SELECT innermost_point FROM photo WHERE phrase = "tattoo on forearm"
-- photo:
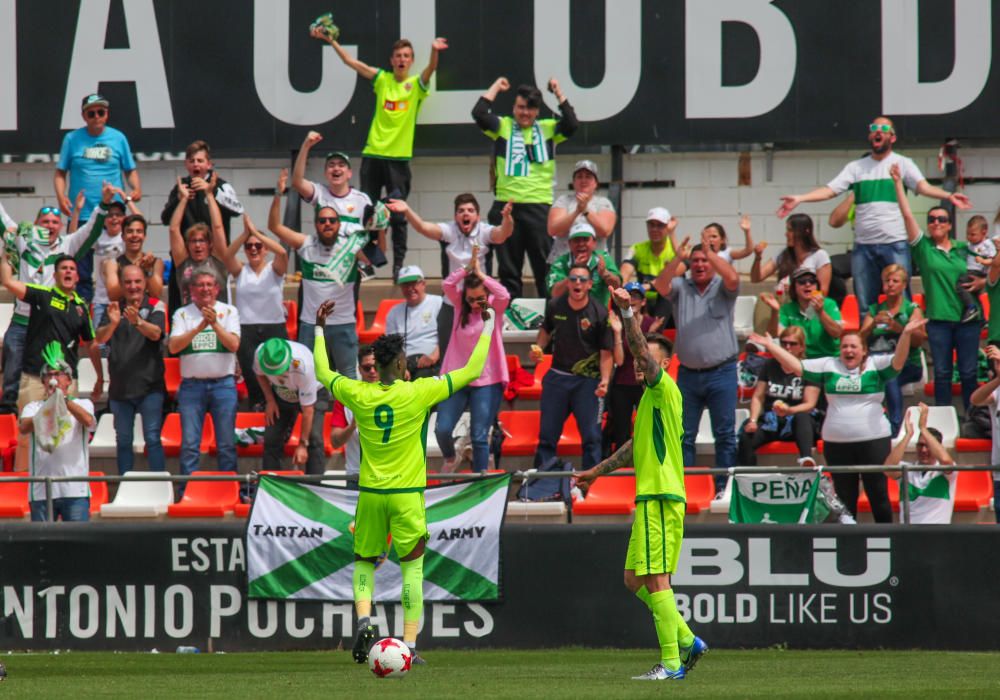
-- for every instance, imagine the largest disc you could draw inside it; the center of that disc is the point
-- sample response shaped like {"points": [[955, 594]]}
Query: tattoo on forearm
{"points": [[621, 458], [637, 345]]}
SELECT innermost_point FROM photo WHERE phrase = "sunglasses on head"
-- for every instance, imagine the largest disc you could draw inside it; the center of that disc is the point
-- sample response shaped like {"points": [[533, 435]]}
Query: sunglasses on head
{"points": [[49, 210], [938, 219], [578, 278], [327, 219], [91, 113], [253, 246], [884, 128]]}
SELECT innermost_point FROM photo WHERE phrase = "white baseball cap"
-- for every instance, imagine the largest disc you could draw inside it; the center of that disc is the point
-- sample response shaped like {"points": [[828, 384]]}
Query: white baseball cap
{"points": [[409, 273], [582, 230], [661, 214]]}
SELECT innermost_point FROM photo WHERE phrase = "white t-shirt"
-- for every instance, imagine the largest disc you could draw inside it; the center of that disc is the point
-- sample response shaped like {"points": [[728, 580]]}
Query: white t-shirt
{"points": [[205, 357], [320, 262], [349, 207], [458, 246], [71, 458], [417, 324], [298, 384], [854, 396], [105, 247], [931, 494], [560, 244], [816, 259], [877, 218], [259, 297], [984, 249]]}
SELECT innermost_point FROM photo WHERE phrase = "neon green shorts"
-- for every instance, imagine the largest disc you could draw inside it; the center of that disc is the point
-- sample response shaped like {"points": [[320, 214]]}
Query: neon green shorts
{"points": [[655, 543], [378, 514]]}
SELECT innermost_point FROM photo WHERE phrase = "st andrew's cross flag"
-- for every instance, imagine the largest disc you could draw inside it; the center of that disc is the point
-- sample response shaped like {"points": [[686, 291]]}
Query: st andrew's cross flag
{"points": [[300, 542], [773, 498]]}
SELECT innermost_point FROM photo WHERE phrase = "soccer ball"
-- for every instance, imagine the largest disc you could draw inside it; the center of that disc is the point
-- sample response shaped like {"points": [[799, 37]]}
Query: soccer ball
{"points": [[389, 658]]}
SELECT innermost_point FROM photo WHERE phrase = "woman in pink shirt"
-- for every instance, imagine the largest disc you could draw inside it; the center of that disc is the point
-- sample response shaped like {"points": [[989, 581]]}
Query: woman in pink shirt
{"points": [[472, 291]]}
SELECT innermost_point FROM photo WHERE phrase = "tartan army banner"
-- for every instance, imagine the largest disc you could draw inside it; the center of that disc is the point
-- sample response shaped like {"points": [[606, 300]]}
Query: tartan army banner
{"points": [[773, 498], [300, 542]]}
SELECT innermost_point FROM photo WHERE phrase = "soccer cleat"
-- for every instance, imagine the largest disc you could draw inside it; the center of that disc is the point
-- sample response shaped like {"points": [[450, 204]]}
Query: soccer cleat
{"points": [[691, 654], [418, 660], [659, 672], [363, 643]]}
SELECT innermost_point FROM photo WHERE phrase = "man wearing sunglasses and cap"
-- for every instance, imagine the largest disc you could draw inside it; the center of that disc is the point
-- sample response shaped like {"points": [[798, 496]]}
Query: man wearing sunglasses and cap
{"points": [[90, 156], [582, 251], [287, 376], [879, 232], [581, 206]]}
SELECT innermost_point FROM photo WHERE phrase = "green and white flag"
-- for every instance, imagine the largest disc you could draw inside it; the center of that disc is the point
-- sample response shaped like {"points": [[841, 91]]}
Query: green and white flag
{"points": [[773, 498], [300, 542]]}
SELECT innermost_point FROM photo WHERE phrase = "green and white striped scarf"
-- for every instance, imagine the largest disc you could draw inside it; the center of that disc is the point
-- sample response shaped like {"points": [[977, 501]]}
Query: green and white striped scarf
{"points": [[521, 155]]}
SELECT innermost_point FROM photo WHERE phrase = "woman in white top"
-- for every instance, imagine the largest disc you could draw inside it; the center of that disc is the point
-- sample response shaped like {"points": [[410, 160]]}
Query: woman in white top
{"points": [[856, 430], [259, 296], [800, 249]]}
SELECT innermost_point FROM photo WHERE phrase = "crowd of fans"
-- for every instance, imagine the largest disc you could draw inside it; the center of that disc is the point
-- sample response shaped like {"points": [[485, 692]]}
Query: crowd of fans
{"points": [[818, 380]]}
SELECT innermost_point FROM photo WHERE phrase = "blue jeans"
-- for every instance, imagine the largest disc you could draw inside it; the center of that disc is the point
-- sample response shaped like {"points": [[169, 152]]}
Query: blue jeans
{"points": [[13, 360], [867, 263], [483, 403], [71, 510], [217, 397], [562, 394], [341, 345], [150, 409], [715, 390], [963, 338], [894, 394]]}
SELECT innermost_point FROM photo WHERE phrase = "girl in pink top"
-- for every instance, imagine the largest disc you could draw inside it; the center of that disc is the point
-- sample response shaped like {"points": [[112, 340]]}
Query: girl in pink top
{"points": [[472, 291]]}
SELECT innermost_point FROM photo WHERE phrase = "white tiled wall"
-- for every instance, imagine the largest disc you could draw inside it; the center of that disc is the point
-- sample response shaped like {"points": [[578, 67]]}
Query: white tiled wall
{"points": [[705, 190]]}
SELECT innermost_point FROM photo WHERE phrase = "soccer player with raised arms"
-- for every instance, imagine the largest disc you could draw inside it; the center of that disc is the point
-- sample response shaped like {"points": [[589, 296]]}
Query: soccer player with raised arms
{"points": [[658, 528], [392, 417]]}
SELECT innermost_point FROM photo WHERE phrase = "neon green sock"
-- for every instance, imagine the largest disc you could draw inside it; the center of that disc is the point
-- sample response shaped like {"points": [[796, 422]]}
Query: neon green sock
{"points": [[685, 637], [364, 587], [665, 618], [413, 596], [643, 595]]}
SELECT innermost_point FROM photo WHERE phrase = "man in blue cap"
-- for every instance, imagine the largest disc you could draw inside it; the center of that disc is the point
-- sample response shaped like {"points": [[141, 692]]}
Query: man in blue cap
{"points": [[287, 376]]}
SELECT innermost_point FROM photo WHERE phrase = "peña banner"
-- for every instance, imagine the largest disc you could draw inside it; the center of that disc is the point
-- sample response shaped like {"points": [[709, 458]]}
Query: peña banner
{"points": [[246, 76]]}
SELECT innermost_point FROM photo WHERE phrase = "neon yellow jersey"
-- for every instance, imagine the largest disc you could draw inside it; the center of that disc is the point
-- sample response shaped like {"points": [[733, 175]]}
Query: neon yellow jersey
{"points": [[656, 442], [392, 419], [396, 107]]}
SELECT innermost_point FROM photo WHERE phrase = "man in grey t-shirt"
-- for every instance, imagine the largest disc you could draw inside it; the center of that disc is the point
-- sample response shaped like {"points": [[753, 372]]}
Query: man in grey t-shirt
{"points": [[582, 206], [706, 346]]}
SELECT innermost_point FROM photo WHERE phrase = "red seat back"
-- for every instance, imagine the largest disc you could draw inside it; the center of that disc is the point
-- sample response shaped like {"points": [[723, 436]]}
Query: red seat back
{"points": [[13, 496], [609, 495], [700, 490], [98, 494], [291, 318], [206, 499], [973, 490]]}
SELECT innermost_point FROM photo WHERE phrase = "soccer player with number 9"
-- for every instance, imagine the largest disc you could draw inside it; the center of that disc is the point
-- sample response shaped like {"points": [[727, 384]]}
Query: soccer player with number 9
{"points": [[392, 417]]}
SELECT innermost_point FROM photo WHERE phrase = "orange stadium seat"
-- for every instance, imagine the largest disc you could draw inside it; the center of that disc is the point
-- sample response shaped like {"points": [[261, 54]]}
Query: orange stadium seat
{"points": [[609, 495], [13, 496], [98, 494], [370, 335], [700, 490], [8, 440], [984, 301], [849, 312], [206, 499], [172, 375], [170, 436], [521, 430], [359, 319], [864, 506], [535, 390], [973, 444], [244, 421], [973, 490], [292, 319]]}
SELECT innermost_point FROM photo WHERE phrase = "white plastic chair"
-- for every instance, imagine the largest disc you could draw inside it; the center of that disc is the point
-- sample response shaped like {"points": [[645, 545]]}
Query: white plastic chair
{"points": [[943, 418], [743, 316], [145, 498], [105, 439], [87, 378], [511, 334], [704, 443]]}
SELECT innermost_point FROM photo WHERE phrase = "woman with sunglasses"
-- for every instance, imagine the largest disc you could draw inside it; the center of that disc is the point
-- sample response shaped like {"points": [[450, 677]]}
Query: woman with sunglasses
{"points": [[855, 431], [260, 286], [472, 292], [942, 261], [809, 309], [781, 407], [881, 329]]}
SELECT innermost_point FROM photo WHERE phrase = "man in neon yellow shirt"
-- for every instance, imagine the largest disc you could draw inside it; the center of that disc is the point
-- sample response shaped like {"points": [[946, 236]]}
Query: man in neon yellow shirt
{"points": [[391, 418], [389, 148], [658, 528]]}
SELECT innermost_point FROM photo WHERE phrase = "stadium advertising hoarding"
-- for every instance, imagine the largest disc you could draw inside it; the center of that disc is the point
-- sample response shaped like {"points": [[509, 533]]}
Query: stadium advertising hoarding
{"points": [[244, 74], [163, 585]]}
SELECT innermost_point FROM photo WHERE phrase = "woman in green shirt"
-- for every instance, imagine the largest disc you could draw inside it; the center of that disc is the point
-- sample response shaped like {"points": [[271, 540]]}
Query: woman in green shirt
{"points": [[808, 308]]}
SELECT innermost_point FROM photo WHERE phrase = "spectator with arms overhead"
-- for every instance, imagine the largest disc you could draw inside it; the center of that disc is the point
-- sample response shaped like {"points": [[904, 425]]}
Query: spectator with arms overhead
{"points": [[62, 449], [472, 293], [879, 231], [645, 260], [704, 306], [134, 328], [416, 320], [931, 493], [260, 289], [286, 375], [329, 270], [200, 245], [881, 329], [715, 234], [577, 325], [817, 315], [524, 169], [855, 430], [781, 406], [389, 148], [581, 206], [206, 334], [603, 271], [91, 156]]}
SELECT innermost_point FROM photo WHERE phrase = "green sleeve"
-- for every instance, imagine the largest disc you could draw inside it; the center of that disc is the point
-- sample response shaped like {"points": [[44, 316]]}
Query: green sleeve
{"points": [[609, 263], [557, 271], [783, 315], [91, 238], [832, 310], [324, 374], [462, 377], [817, 374]]}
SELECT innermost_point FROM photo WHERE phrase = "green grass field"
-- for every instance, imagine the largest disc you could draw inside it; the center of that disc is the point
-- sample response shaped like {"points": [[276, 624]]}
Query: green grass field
{"points": [[473, 675]]}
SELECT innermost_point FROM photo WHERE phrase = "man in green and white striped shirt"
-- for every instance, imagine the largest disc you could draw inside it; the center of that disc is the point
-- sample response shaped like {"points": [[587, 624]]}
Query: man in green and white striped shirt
{"points": [[931, 493]]}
